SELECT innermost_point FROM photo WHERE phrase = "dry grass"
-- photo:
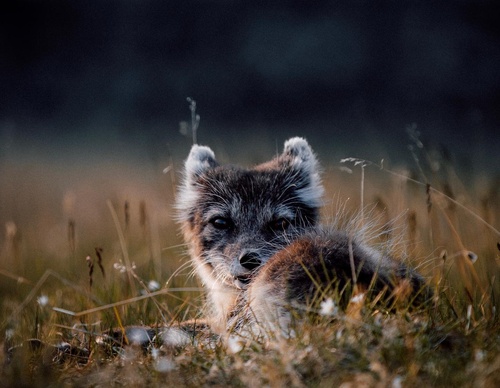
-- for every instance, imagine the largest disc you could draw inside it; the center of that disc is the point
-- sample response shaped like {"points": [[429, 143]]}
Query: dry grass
{"points": [[77, 263]]}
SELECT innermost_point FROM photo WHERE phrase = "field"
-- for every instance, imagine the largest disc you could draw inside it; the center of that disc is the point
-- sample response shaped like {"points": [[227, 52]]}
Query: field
{"points": [[86, 251]]}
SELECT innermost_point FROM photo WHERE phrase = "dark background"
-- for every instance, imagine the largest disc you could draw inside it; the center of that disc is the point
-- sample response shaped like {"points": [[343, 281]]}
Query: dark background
{"points": [[80, 77]]}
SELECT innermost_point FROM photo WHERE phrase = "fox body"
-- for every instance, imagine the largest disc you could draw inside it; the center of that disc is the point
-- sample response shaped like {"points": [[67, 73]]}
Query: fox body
{"points": [[255, 242]]}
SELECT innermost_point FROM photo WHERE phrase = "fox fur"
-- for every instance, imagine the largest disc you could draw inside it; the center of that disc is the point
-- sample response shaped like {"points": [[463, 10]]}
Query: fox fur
{"points": [[256, 243]]}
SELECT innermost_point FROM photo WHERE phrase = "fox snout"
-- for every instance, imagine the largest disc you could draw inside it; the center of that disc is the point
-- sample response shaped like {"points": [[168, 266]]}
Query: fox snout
{"points": [[247, 264], [250, 260]]}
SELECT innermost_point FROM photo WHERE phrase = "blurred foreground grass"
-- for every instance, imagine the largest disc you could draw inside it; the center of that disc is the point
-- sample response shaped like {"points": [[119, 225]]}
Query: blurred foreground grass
{"points": [[97, 249]]}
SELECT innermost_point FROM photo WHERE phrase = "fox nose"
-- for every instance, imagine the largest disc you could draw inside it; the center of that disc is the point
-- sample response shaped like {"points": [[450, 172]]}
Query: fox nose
{"points": [[250, 260]]}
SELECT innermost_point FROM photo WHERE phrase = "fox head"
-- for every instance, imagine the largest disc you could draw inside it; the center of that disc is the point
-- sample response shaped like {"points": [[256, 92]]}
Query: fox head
{"points": [[234, 219]]}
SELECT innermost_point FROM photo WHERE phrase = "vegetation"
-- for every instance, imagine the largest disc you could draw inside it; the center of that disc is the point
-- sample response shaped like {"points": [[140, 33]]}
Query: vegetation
{"points": [[88, 268]]}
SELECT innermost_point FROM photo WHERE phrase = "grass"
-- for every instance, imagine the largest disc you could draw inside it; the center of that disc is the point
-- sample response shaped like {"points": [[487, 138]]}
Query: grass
{"points": [[91, 263]]}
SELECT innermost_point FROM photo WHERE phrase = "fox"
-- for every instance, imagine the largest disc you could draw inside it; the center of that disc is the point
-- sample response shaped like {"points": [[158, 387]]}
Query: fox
{"points": [[257, 246], [256, 243]]}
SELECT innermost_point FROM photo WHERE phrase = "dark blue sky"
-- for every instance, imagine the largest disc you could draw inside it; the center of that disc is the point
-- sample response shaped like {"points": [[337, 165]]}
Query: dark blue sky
{"points": [[325, 69]]}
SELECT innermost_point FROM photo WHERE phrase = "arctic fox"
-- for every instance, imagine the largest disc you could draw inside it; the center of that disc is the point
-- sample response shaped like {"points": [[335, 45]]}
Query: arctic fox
{"points": [[256, 245]]}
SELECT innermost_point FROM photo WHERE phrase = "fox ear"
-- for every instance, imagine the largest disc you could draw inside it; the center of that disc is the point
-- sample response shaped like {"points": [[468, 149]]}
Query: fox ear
{"points": [[297, 154], [200, 159]]}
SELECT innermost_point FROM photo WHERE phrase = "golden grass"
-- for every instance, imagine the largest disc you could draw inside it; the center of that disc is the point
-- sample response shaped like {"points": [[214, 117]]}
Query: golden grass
{"points": [[79, 260]]}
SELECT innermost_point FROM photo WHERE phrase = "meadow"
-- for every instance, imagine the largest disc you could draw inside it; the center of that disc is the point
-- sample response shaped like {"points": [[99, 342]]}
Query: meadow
{"points": [[86, 252]]}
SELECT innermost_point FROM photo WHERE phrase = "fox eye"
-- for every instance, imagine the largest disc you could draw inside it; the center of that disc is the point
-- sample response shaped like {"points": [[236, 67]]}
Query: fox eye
{"points": [[221, 223], [279, 224]]}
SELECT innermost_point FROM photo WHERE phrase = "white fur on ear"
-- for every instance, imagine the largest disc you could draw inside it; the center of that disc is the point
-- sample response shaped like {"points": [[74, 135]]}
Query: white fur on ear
{"points": [[301, 153], [301, 157], [200, 159]]}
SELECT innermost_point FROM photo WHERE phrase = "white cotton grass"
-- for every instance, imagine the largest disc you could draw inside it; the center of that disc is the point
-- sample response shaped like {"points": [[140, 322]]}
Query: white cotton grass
{"points": [[234, 344], [138, 336], [175, 337], [122, 268], [164, 365], [397, 382], [328, 308], [9, 334], [42, 300], [153, 285], [359, 298]]}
